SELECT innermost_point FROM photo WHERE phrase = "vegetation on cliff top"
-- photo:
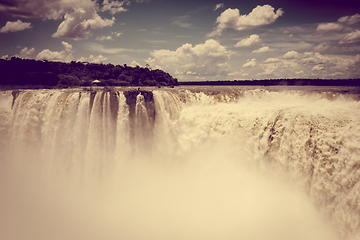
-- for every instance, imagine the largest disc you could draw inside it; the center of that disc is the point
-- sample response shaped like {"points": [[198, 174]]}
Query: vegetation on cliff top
{"points": [[31, 73]]}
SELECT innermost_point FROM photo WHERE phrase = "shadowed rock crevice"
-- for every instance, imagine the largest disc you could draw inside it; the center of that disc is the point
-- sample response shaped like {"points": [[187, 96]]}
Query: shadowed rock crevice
{"points": [[137, 100]]}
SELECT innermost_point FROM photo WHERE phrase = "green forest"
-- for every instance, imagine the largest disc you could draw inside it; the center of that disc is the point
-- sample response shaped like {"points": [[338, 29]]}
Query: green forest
{"points": [[30, 73]]}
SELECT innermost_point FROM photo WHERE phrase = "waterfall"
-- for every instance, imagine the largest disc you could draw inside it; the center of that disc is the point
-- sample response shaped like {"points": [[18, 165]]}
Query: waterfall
{"points": [[183, 163]]}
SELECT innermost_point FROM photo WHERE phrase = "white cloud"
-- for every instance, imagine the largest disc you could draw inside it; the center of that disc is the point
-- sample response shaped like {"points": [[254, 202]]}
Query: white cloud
{"points": [[329, 27], [26, 53], [207, 59], [64, 55], [80, 17], [353, 37], [134, 64], [79, 23], [103, 38], [93, 59], [114, 6], [272, 60], [250, 63], [305, 65], [117, 34], [259, 16], [311, 58], [15, 26], [350, 20], [318, 68], [238, 74], [250, 41], [311, 65], [291, 55], [263, 50], [219, 5]]}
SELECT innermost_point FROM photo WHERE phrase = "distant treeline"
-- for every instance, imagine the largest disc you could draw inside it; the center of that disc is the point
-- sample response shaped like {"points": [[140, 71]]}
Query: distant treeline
{"points": [[30, 73], [276, 82]]}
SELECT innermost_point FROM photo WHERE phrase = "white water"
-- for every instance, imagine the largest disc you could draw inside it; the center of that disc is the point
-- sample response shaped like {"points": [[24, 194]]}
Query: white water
{"points": [[226, 164]]}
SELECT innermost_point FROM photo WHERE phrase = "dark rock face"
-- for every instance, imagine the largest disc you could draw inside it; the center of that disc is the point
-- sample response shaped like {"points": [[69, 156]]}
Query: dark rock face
{"points": [[15, 94], [131, 97]]}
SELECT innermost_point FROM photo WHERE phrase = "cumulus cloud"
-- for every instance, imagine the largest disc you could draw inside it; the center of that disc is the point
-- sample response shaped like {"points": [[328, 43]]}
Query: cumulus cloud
{"points": [[291, 55], [79, 23], [134, 64], [263, 50], [329, 27], [318, 68], [259, 16], [93, 59], [250, 63], [117, 34], [26, 53], [80, 17], [207, 59], [114, 6], [309, 65], [353, 37], [272, 60], [350, 20], [219, 5], [15, 26], [250, 41], [64, 55]]}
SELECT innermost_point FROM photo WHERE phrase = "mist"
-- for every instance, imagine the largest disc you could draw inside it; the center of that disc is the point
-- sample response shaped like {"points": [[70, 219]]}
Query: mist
{"points": [[208, 195]]}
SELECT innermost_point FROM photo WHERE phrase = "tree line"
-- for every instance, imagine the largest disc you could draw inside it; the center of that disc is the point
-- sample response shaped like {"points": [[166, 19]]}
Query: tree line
{"points": [[43, 73]]}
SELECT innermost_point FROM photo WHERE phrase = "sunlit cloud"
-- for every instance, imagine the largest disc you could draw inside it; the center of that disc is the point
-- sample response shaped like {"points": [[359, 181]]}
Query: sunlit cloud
{"points": [[218, 6], [93, 59], [353, 37], [114, 6], [250, 41], [64, 55], [291, 55], [250, 63], [259, 16], [263, 50], [79, 17], [350, 20], [15, 26], [208, 59], [329, 27], [26, 53]]}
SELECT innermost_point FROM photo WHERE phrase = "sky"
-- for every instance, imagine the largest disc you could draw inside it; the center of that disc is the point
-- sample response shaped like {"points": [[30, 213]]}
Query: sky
{"points": [[193, 40]]}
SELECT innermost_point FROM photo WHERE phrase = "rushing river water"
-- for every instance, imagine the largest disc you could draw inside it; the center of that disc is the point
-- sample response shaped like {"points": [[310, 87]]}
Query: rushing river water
{"points": [[190, 163]]}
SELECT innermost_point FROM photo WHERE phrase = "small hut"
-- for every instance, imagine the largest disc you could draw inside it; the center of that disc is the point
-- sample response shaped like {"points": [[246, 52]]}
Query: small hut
{"points": [[96, 82]]}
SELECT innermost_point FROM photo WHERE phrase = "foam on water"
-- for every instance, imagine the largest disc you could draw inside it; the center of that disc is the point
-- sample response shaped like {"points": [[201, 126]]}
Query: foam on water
{"points": [[179, 164]]}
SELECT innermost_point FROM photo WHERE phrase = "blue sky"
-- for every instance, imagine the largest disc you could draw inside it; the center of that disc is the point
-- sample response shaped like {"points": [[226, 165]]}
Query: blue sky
{"points": [[190, 39]]}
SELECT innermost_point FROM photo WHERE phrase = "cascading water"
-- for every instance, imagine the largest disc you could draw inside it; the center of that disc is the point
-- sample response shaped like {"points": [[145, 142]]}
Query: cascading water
{"points": [[196, 163]]}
